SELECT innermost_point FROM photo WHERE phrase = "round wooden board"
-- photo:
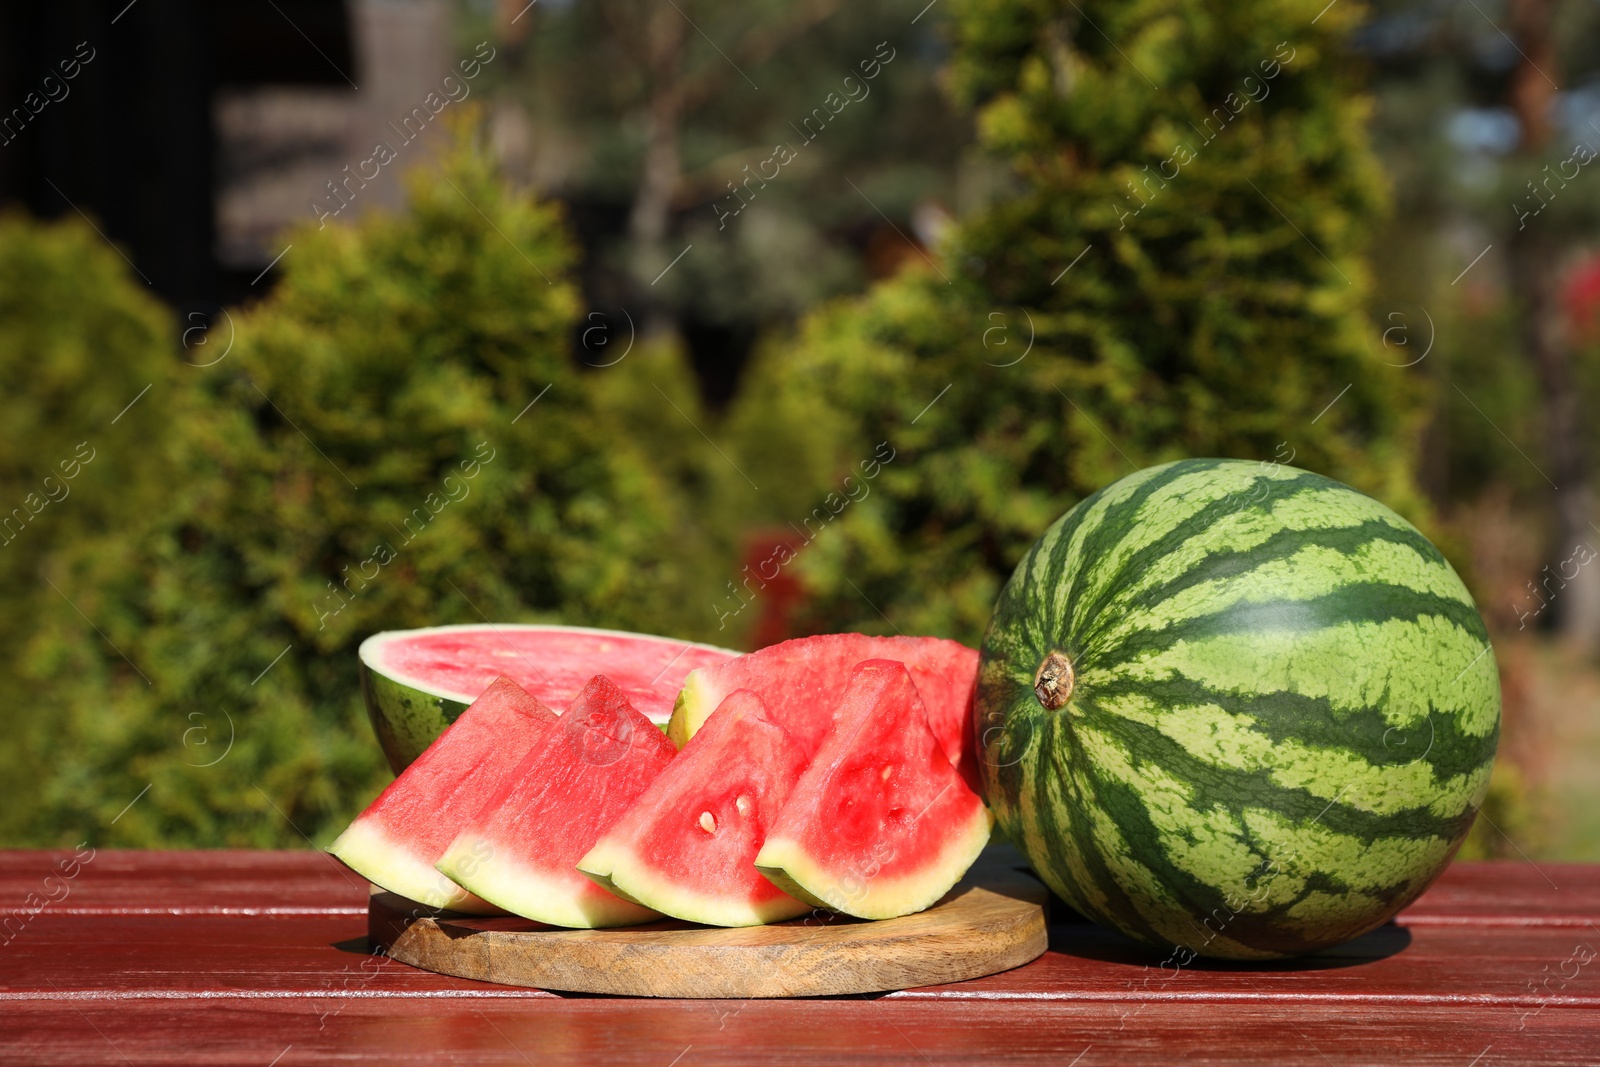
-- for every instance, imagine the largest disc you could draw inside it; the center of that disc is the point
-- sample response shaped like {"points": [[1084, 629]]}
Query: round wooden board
{"points": [[992, 921]]}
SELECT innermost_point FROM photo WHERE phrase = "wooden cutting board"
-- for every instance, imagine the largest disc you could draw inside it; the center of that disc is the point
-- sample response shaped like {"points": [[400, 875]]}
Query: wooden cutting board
{"points": [[992, 921]]}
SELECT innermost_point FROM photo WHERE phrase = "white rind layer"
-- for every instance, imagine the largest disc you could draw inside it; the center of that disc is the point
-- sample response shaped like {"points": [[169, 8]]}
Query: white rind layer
{"points": [[622, 868], [867, 896], [696, 701], [389, 864], [474, 863]]}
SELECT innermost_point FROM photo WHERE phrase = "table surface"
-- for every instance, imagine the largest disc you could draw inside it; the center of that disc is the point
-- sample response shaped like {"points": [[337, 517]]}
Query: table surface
{"points": [[261, 958]]}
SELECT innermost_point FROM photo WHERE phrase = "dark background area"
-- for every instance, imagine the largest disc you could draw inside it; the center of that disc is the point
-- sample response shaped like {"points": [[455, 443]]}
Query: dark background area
{"points": [[132, 144]]}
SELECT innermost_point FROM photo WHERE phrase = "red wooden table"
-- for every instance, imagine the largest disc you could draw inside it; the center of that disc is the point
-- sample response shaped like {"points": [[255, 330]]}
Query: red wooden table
{"points": [[260, 958]]}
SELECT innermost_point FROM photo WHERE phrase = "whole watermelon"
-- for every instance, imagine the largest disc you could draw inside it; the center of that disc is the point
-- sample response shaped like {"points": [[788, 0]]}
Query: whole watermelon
{"points": [[1236, 708]]}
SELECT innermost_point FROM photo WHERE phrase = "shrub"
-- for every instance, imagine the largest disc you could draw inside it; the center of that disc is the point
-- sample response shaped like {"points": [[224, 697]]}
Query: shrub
{"points": [[1099, 319], [399, 437], [85, 374]]}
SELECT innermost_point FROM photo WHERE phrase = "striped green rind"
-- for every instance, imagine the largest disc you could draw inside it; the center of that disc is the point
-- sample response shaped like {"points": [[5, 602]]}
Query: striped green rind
{"points": [[405, 718], [1284, 713]]}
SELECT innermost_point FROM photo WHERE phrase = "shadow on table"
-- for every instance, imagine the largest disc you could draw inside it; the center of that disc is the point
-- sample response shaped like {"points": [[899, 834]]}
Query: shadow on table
{"points": [[1073, 935]]}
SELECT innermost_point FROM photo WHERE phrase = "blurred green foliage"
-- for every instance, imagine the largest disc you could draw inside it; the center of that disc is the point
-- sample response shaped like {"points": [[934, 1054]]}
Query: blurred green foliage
{"points": [[1505, 817], [398, 437], [80, 340], [1180, 273]]}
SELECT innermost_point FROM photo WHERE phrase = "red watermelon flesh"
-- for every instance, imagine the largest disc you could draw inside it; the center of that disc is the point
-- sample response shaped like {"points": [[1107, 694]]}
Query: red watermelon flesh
{"points": [[520, 852], [398, 839], [880, 825], [551, 662], [688, 845], [803, 681]]}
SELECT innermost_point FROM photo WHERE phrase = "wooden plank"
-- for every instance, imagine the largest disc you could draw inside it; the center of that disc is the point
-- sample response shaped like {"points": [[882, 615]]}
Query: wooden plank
{"points": [[245, 881], [836, 1033], [1421, 965], [230, 957], [125, 944], [155, 956], [1511, 894], [125, 881]]}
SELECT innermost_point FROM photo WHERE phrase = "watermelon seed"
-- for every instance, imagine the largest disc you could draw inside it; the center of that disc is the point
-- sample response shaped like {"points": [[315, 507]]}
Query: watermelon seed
{"points": [[1053, 682], [707, 823], [888, 769], [743, 804]]}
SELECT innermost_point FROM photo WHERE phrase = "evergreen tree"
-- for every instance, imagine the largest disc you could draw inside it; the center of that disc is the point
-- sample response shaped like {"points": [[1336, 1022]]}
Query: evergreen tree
{"points": [[399, 437], [1178, 273], [87, 378]]}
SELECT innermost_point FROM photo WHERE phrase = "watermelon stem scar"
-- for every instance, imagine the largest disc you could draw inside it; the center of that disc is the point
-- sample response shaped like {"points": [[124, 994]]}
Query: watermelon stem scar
{"points": [[1053, 681]]}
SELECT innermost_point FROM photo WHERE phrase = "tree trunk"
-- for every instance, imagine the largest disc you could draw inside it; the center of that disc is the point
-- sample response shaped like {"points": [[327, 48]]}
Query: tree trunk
{"points": [[658, 179], [652, 201], [1536, 269], [1536, 257]]}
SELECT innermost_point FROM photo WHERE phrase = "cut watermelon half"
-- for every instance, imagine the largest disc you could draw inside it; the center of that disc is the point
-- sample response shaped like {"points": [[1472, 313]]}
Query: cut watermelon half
{"points": [[880, 825], [398, 839], [521, 850], [803, 681], [688, 845], [417, 681]]}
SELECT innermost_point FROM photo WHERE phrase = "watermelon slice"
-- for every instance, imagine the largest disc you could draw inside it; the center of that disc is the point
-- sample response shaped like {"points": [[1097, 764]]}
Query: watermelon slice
{"points": [[400, 836], [802, 682], [687, 846], [880, 824], [417, 681], [521, 850]]}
